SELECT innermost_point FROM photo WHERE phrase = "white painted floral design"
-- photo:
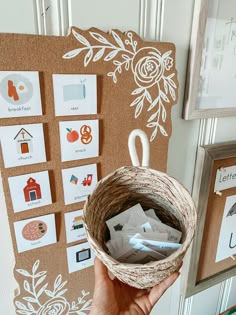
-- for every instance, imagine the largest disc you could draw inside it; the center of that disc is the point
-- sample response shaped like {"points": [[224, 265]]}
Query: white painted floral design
{"points": [[150, 69], [56, 304]]}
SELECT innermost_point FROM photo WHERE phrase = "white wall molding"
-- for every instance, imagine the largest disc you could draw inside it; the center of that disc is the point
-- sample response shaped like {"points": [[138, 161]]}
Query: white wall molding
{"points": [[223, 303]]}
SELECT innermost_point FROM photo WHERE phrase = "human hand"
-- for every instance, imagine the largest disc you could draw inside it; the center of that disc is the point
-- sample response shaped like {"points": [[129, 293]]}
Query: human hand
{"points": [[112, 297]]}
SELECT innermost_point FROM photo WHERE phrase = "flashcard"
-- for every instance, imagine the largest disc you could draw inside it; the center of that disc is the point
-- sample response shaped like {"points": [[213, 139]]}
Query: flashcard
{"points": [[79, 139], [30, 191], [19, 94], [74, 225], [36, 232], [22, 144], [80, 257], [78, 182], [75, 94]]}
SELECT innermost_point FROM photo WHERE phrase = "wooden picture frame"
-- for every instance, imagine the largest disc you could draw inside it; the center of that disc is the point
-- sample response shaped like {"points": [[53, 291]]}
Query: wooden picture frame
{"points": [[203, 270], [210, 73]]}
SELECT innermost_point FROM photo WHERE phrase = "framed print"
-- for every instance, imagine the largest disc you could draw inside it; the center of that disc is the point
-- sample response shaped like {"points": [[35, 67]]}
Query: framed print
{"points": [[210, 83], [213, 253], [231, 311]]}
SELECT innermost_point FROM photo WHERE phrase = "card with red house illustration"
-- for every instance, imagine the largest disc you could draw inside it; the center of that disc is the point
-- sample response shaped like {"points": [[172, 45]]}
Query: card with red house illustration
{"points": [[79, 139], [22, 144], [30, 191], [78, 182], [20, 94]]}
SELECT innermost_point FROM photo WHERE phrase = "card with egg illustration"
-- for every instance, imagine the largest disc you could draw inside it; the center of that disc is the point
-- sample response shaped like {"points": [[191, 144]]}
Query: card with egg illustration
{"points": [[75, 94], [20, 94], [79, 139], [35, 232], [22, 144]]}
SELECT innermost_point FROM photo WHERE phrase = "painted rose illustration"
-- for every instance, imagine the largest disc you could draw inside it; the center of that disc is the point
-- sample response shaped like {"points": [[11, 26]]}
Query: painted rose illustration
{"points": [[54, 306], [35, 288], [149, 66]]}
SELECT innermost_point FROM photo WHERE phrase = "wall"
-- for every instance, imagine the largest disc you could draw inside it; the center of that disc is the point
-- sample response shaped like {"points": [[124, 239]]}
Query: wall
{"points": [[166, 20]]}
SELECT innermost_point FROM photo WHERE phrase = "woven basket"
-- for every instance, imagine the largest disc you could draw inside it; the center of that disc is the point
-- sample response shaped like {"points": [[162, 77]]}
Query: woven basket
{"points": [[121, 190]]}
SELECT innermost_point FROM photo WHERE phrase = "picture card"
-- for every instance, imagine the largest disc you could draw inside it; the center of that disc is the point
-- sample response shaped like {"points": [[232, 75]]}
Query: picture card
{"points": [[79, 139], [80, 257], [22, 144], [19, 94], [75, 94], [78, 182], [227, 238], [225, 178], [30, 191], [74, 225], [36, 232]]}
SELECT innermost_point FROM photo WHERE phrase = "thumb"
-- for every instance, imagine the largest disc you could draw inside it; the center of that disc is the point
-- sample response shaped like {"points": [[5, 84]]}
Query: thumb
{"points": [[101, 272]]}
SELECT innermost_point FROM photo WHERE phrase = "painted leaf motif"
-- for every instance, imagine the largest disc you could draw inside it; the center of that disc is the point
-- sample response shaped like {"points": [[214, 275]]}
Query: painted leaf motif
{"points": [[80, 38], [164, 97], [138, 109], [62, 285], [39, 274], [35, 266], [154, 133], [163, 131], [24, 312], [72, 53], [30, 299], [99, 38], [40, 281], [61, 293], [27, 286], [49, 293], [163, 115], [57, 281], [136, 100], [20, 305], [148, 96], [88, 57], [42, 290], [99, 55], [118, 39], [137, 91], [172, 93], [152, 117], [154, 103], [167, 54], [24, 272], [111, 55]]}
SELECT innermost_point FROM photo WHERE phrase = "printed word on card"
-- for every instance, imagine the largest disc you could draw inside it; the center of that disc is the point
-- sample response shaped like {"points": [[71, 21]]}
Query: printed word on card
{"points": [[30, 191], [22, 144], [79, 182], [75, 94], [19, 94], [80, 257], [36, 232], [79, 139], [74, 225]]}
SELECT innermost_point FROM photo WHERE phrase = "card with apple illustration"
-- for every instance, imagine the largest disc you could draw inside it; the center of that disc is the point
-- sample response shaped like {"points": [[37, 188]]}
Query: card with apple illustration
{"points": [[79, 139]]}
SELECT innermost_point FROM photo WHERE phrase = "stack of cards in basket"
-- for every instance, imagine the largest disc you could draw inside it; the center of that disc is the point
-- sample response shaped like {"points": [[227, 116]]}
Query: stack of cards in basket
{"points": [[139, 236]]}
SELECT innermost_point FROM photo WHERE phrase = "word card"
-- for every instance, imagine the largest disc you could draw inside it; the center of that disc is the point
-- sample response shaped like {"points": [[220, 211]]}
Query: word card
{"points": [[79, 139], [74, 224], [19, 94], [78, 182], [80, 257], [22, 144], [36, 232], [75, 94], [30, 191]]}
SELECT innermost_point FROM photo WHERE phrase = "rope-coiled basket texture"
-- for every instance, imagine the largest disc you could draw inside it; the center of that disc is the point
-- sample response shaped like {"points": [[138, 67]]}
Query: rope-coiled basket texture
{"points": [[121, 190]]}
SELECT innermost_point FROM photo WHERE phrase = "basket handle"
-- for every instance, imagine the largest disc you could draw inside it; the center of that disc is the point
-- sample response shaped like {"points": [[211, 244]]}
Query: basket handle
{"points": [[132, 149]]}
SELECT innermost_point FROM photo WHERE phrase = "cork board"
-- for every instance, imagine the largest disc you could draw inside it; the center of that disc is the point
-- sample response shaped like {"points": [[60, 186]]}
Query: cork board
{"points": [[215, 209], [214, 192], [136, 88]]}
